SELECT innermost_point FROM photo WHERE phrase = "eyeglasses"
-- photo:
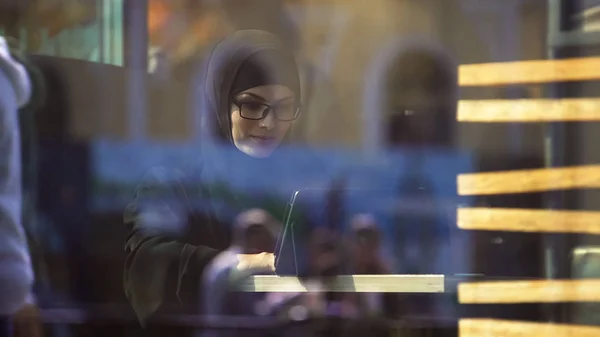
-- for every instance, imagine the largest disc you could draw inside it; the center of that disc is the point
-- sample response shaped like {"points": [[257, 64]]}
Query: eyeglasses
{"points": [[254, 110]]}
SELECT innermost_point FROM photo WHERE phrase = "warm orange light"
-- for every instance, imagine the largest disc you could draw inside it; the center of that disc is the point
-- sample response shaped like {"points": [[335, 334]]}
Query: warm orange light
{"points": [[539, 71], [528, 181], [529, 110], [477, 327], [158, 14], [534, 291], [528, 220]]}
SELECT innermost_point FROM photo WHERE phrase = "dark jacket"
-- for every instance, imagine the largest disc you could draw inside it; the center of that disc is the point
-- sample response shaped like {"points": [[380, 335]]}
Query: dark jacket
{"points": [[165, 262]]}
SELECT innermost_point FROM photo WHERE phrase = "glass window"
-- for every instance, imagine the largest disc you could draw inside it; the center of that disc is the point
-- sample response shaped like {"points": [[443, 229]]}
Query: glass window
{"points": [[84, 30]]}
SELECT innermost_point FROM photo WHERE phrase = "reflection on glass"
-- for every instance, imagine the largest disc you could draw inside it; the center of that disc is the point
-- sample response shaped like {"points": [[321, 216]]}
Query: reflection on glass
{"points": [[83, 30]]}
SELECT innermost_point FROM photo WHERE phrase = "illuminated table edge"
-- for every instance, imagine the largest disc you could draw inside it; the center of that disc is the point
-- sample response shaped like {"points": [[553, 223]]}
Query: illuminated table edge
{"points": [[404, 283]]}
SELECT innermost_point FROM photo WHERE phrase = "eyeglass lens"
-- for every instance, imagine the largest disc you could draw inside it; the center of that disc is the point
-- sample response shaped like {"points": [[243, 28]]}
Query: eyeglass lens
{"points": [[255, 110]]}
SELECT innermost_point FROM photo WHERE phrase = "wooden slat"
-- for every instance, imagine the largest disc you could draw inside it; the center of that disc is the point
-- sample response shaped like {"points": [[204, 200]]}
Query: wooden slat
{"points": [[542, 71], [529, 110], [351, 283], [472, 327], [523, 181], [539, 291], [528, 220]]}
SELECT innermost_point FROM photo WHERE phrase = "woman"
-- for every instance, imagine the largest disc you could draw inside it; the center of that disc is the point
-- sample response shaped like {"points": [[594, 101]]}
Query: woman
{"points": [[250, 98]]}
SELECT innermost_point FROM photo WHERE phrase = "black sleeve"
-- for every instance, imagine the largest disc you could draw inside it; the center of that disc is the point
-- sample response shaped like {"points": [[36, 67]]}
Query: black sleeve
{"points": [[162, 272]]}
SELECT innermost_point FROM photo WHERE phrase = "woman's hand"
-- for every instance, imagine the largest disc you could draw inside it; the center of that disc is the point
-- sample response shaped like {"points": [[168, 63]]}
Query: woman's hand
{"points": [[256, 261]]}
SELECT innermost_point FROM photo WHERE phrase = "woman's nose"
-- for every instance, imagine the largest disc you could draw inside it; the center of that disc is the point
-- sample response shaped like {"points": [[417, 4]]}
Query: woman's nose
{"points": [[269, 121]]}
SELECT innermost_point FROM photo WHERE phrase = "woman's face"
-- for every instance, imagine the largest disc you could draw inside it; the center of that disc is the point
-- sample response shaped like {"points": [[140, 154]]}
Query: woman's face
{"points": [[261, 117]]}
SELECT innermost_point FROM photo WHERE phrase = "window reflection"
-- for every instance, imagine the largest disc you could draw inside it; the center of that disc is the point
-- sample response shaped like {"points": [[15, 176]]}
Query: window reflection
{"points": [[458, 130], [83, 30]]}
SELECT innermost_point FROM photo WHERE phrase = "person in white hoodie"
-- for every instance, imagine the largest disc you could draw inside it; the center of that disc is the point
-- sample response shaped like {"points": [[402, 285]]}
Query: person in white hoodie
{"points": [[16, 274]]}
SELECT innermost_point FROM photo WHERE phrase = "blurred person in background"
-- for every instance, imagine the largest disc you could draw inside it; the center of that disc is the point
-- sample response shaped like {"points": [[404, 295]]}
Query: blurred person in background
{"points": [[17, 303], [412, 91], [419, 96], [365, 245], [365, 242], [255, 231], [250, 95]]}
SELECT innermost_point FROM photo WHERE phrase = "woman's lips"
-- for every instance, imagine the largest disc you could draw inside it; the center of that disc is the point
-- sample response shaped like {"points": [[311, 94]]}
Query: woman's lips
{"points": [[263, 140]]}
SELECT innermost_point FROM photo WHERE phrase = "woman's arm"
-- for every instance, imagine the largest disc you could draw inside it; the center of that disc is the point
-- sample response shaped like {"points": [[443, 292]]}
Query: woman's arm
{"points": [[162, 272]]}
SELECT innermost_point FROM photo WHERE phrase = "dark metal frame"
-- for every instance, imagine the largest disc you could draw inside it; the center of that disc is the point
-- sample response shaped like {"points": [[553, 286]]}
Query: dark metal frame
{"points": [[554, 150], [562, 42], [135, 57], [135, 34], [559, 33]]}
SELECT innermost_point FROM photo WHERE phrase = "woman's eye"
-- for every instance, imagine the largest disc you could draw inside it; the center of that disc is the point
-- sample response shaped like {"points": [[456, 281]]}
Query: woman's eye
{"points": [[286, 106], [253, 106]]}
